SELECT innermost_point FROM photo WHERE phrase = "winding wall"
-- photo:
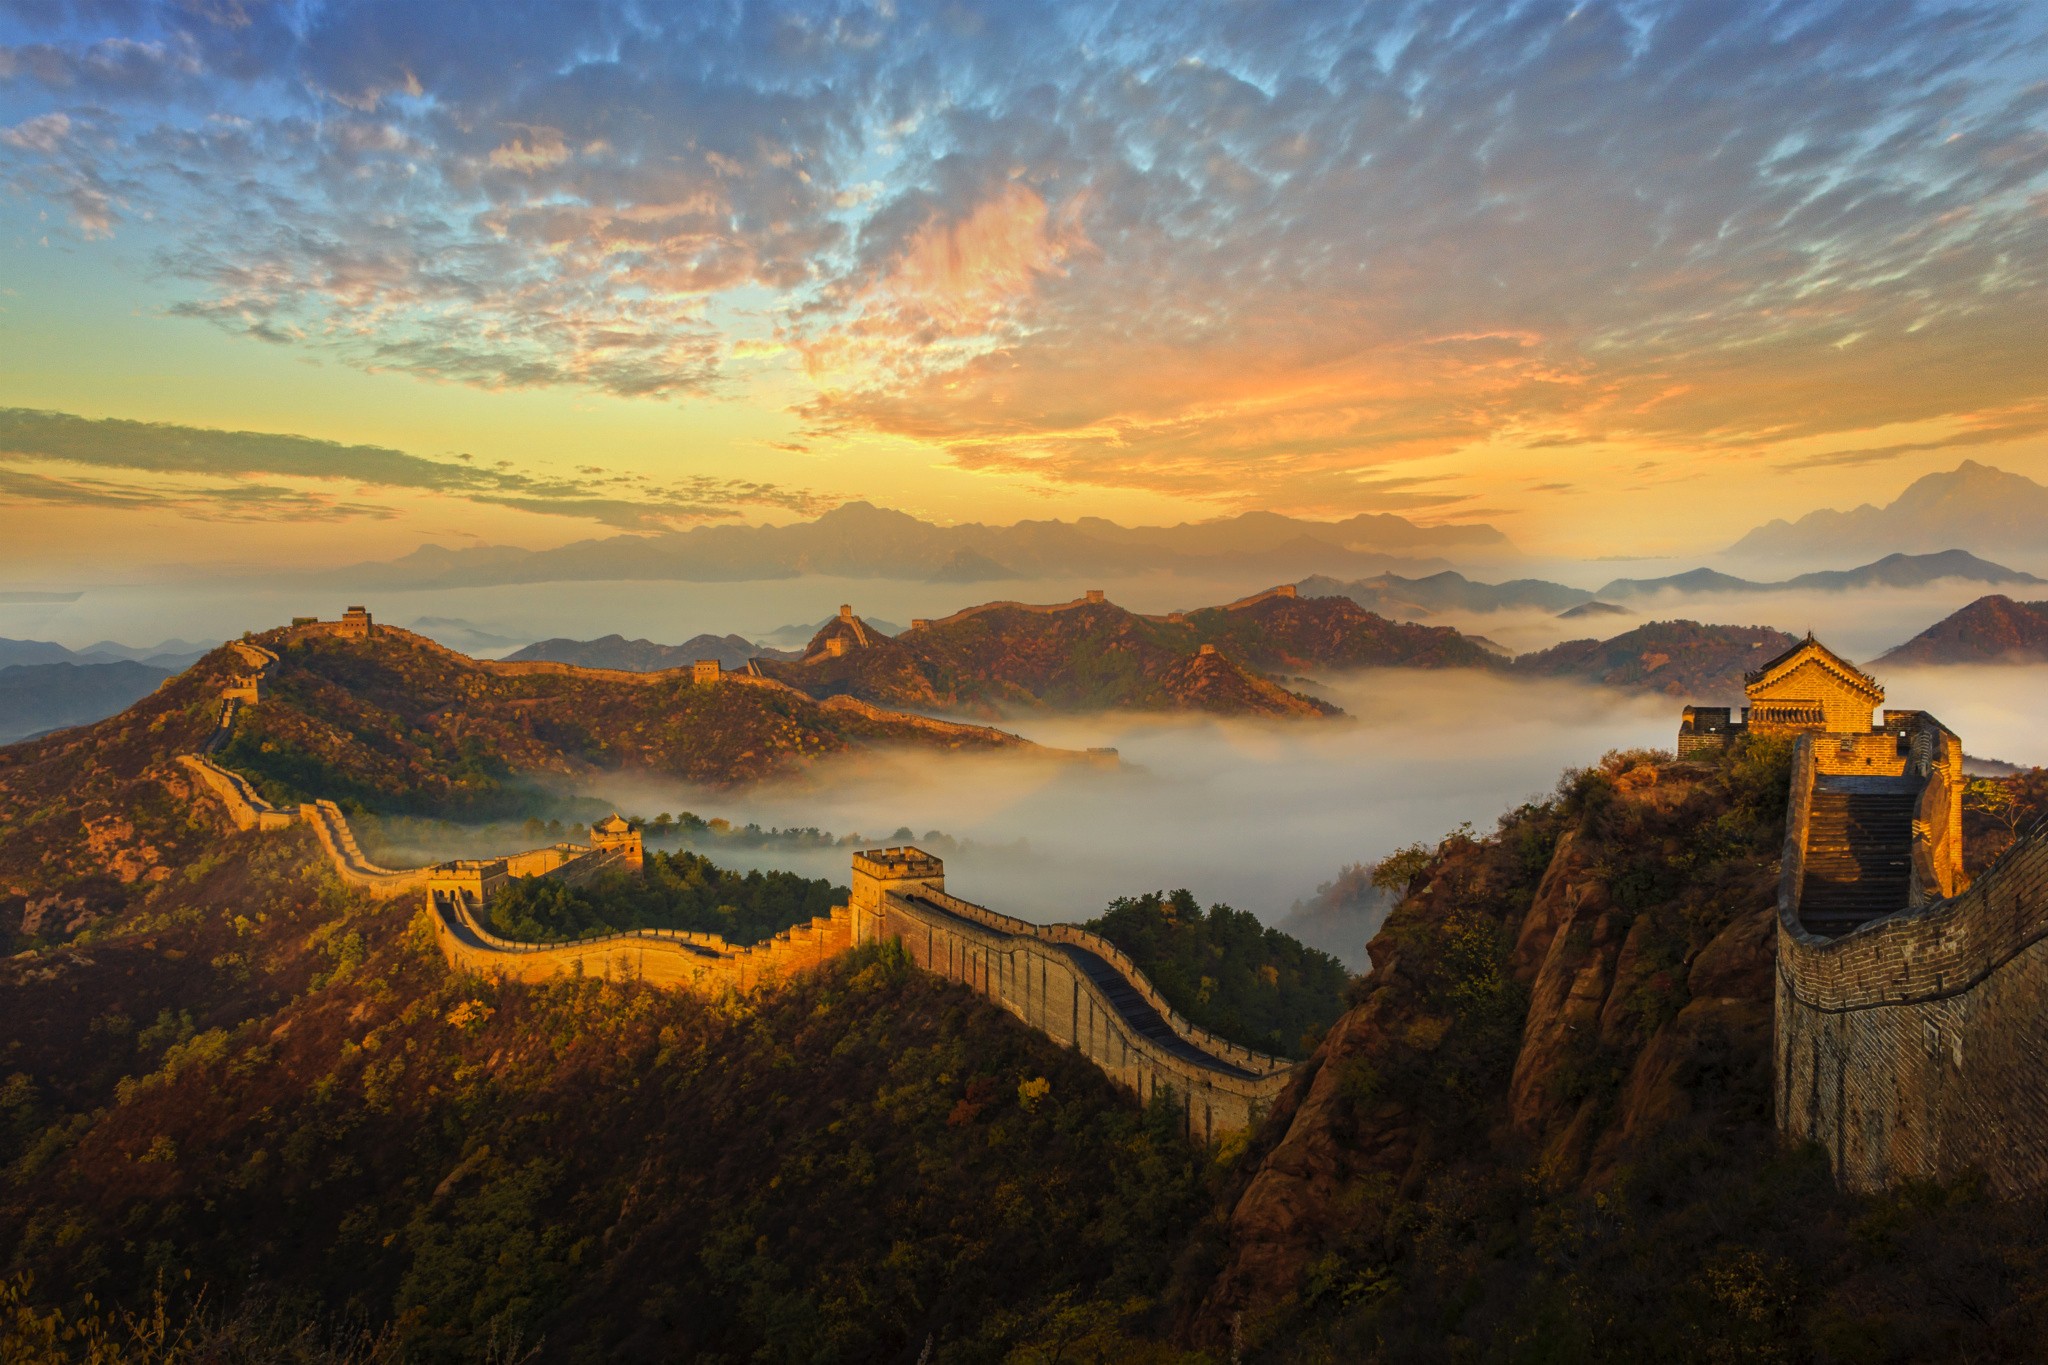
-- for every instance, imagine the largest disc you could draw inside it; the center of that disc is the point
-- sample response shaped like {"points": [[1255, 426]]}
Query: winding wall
{"points": [[1075, 987], [1912, 1048]]}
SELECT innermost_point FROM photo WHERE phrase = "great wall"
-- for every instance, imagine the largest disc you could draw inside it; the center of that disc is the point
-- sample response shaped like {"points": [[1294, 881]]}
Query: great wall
{"points": [[1074, 986], [1909, 1015], [1911, 1004]]}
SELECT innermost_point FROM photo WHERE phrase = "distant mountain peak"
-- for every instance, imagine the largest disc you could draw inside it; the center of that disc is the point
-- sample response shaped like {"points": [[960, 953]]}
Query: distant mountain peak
{"points": [[1975, 507]]}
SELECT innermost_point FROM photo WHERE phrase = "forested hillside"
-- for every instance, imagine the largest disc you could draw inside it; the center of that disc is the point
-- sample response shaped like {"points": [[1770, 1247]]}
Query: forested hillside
{"points": [[398, 724], [269, 1091]]}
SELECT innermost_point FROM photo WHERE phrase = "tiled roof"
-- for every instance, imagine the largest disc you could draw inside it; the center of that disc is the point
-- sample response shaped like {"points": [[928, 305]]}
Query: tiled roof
{"points": [[1828, 659]]}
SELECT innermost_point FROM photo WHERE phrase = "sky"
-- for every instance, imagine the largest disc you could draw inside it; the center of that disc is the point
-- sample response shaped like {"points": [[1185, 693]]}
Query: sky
{"points": [[319, 282]]}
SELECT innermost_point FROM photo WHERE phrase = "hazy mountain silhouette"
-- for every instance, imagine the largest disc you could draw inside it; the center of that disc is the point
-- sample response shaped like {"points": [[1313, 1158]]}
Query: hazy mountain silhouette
{"points": [[640, 656], [1893, 571], [35, 697], [860, 540], [1975, 506], [1409, 598]]}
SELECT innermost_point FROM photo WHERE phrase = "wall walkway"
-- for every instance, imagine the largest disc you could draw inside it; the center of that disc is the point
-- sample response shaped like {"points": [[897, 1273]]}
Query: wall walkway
{"points": [[1911, 1048], [1074, 986]]}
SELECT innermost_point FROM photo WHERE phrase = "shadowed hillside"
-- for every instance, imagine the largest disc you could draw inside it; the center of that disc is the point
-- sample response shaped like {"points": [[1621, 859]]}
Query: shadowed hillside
{"points": [[1679, 658], [1541, 1130], [1094, 654], [399, 724], [294, 1102], [1544, 1130], [1991, 630]]}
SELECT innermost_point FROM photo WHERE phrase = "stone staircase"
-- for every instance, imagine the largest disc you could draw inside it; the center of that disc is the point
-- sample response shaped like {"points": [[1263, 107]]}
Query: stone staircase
{"points": [[1859, 852]]}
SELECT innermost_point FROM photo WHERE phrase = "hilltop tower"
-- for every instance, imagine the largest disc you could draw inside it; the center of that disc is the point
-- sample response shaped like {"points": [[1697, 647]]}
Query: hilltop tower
{"points": [[1809, 689], [613, 834], [355, 624]]}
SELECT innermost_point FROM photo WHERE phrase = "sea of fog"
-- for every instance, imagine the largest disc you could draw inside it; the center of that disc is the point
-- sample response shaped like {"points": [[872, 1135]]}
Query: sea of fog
{"points": [[1259, 813], [1252, 813], [1255, 814]]}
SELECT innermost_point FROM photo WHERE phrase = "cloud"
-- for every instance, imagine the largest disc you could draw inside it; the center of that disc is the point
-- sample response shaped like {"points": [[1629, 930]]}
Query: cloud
{"points": [[1988, 429], [1269, 253], [237, 502], [172, 454]]}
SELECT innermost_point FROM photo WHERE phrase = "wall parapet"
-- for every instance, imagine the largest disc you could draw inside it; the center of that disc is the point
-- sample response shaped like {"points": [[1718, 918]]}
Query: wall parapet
{"points": [[1247, 1059], [1929, 952], [245, 807]]}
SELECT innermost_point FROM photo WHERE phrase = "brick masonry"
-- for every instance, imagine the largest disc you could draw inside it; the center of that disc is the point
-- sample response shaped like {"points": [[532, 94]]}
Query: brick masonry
{"points": [[1912, 1048]]}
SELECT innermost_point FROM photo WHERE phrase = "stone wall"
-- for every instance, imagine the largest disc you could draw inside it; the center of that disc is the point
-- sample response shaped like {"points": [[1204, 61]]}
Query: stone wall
{"points": [[673, 958], [330, 826], [1041, 973], [244, 806], [1911, 1048]]}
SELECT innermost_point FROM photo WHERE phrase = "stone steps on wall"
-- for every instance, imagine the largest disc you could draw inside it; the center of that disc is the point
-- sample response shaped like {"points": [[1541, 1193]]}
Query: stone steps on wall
{"points": [[1859, 852]]}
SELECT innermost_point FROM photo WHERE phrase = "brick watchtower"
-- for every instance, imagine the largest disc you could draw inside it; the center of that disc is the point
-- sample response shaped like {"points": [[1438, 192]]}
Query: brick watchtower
{"points": [[613, 834]]}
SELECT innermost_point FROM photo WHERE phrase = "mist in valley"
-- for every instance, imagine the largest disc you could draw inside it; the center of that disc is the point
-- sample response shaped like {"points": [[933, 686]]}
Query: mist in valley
{"points": [[1251, 813]]}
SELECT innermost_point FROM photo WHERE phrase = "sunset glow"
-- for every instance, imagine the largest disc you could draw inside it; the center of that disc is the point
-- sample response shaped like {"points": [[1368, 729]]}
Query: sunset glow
{"points": [[1605, 276]]}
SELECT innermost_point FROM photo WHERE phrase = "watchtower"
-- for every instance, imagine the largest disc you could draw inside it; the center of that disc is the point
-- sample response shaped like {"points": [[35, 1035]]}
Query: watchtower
{"points": [[613, 834], [355, 624], [880, 872], [1809, 689], [706, 671]]}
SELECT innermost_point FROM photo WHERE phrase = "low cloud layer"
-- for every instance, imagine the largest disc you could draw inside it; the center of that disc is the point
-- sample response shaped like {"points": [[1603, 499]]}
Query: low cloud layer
{"points": [[1254, 814], [1214, 250]]}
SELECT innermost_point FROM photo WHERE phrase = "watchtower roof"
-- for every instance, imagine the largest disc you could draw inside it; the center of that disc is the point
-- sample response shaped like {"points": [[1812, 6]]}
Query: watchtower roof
{"points": [[1813, 650], [611, 824]]}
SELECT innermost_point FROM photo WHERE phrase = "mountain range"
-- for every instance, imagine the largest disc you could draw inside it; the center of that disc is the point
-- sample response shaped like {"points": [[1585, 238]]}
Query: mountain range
{"points": [[1986, 510], [1411, 599], [399, 723], [171, 654], [1094, 654], [50, 696], [860, 540], [1893, 571], [1408, 599], [1679, 658]]}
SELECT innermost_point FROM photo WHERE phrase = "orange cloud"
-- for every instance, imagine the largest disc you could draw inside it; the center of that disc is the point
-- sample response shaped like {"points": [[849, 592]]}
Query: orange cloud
{"points": [[954, 289]]}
